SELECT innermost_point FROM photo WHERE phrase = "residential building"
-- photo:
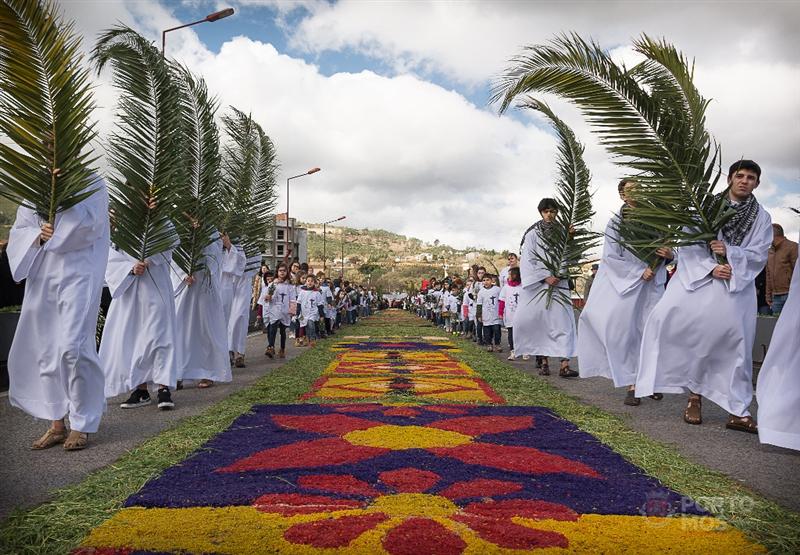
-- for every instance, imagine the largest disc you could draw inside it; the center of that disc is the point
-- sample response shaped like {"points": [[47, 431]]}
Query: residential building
{"points": [[285, 239]]}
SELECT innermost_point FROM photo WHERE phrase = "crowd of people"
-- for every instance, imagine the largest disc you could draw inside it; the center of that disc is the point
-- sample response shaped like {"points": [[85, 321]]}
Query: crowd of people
{"points": [[163, 328], [692, 334]]}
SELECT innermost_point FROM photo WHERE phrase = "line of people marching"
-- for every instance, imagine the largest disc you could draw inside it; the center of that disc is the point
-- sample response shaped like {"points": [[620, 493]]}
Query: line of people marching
{"points": [[692, 334], [163, 327]]}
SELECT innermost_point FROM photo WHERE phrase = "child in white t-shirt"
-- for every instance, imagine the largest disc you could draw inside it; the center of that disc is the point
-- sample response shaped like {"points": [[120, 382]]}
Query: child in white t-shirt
{"points": [[489, 313], [509, 299]]}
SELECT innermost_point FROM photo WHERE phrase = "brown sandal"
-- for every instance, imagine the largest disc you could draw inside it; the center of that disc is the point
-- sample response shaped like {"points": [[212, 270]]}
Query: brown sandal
{"points": [[742, 424], [567, 372], [693, 414], [204, 384], [50, 438], [544, 367], [76, 441], [239, 362]]}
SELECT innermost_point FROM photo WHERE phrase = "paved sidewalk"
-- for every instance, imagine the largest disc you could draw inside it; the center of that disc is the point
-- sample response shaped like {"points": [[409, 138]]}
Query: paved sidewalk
{"points": [[770, 471], [28, 477]]}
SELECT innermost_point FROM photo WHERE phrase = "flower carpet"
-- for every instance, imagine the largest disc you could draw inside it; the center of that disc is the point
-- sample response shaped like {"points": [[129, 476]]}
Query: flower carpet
{"points": [[428, 460]]}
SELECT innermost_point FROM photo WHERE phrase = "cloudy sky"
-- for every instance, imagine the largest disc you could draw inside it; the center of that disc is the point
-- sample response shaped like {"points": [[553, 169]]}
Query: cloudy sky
{"points": [[390, 99]]}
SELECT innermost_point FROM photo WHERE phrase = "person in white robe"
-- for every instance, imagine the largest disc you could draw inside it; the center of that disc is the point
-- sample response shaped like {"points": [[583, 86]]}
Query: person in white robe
{"points": [[140, 335], [778, 386], [611, 323], [699, 337], [53, 366], [539, 330], [233, 265], [239, 320], [276, 298], [202, 334]]}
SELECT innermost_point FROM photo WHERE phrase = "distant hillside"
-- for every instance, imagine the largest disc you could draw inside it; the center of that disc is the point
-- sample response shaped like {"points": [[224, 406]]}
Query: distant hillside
{"points": [[391, 261]]}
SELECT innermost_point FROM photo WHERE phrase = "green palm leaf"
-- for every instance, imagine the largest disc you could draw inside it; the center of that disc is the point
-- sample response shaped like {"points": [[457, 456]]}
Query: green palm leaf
{"points": [[197, 212], [249, 170], [45, 109], [144, 151], [651, 118], [566, 246]]}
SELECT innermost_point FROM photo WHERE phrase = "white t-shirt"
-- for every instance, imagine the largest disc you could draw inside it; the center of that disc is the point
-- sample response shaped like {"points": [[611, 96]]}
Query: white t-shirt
{"points": [[489, 299], [509, 294]]}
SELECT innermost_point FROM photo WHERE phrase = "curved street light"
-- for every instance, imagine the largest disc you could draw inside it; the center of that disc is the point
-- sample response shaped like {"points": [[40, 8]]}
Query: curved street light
{"points": [[290, 242], [324, 236], [210, 18]]}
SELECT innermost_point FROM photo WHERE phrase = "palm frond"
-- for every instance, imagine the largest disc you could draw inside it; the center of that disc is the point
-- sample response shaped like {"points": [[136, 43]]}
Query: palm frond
{"points": [[249, 171], [566, 246], [197, 211], [144, 151], [651, 118], [46, 106]]}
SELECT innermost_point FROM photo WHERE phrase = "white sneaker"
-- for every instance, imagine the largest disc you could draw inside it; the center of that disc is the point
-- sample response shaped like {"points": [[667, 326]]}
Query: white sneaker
{"points": [[511, 356]]}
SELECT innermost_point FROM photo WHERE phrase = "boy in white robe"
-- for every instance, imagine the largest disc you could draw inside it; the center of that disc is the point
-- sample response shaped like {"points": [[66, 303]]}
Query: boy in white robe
{"points": [[233, 264], [778, 387], [239, 320], [140, 334], [53, 366], [699, 337], [542, 331], [509, 302], [610, 326], [488, 304], [202, 335]]}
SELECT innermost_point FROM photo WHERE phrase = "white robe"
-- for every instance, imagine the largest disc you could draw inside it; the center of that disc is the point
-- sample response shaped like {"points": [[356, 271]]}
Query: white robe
{"points": [[233, 263], [611, 324], [239, 320], [539, 330], [53, 365], [778, 388], [202, 334], [140, 334], [700, 334]]}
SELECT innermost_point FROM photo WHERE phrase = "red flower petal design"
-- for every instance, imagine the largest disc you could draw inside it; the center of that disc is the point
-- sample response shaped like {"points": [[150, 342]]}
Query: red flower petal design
{"points": [[333, 532], [526, 508], [505, 533], [364, 407], [515, 458], [479, 488], [478, 425], [409, 480], [444, 409], [332, 424], [289, 504], [338, 483], [421, 536], [305, 454], [401, 411]]}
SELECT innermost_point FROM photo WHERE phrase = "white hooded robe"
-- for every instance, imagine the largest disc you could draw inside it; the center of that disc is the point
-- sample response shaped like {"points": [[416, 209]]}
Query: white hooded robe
{"points": [[239, 320]]}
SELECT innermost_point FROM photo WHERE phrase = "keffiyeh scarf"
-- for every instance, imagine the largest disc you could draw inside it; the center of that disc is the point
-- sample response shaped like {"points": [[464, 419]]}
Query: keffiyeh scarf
{"points": [[736, 229]]}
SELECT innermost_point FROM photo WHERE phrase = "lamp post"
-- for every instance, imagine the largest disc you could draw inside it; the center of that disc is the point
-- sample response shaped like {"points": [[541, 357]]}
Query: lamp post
{"points": [[324, 236], [309, 172], [216, 16]]}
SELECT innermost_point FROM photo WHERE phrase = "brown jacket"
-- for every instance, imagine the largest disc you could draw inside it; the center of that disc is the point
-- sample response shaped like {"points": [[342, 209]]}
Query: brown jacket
{"points": [[780, 264]]}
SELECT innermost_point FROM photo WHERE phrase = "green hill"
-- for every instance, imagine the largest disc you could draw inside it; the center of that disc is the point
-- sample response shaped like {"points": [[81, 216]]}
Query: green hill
{"points": [[391, 261]]}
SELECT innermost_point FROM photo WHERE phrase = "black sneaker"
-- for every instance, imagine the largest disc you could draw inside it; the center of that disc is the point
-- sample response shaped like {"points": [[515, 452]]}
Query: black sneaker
{"points": [[139, 398], [165, 399]]}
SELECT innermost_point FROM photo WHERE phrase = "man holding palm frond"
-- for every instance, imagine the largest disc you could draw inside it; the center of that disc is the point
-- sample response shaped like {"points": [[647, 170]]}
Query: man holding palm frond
{"points": [[626, 289], [700, 334], [59, 241]]}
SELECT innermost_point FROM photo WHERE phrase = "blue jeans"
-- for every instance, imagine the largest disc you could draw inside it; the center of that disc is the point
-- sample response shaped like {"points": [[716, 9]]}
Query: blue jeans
{"points": [[777, 303]]}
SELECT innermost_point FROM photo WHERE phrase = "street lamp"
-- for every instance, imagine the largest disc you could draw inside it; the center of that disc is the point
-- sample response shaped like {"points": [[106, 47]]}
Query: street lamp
{"points": [[309, 172], [324, 235], [216, 16]]}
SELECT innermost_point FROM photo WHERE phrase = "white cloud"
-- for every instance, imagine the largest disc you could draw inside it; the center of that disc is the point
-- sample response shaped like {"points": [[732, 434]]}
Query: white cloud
{"points": [[402, 153]]}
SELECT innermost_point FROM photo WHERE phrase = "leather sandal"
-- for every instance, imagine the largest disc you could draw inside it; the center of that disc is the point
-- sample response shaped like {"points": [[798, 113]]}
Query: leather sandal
{"points": [[693, 414], [50, 438], [742, 424], [657, 396], [270, 352], [204, 384], [631, 399], [544, 368], [76, 441], [239, 362], [567, 372]]}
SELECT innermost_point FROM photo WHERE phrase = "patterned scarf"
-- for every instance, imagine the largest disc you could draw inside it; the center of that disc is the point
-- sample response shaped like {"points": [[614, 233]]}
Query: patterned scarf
{"points": [[542, 228], [736, 229]]}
